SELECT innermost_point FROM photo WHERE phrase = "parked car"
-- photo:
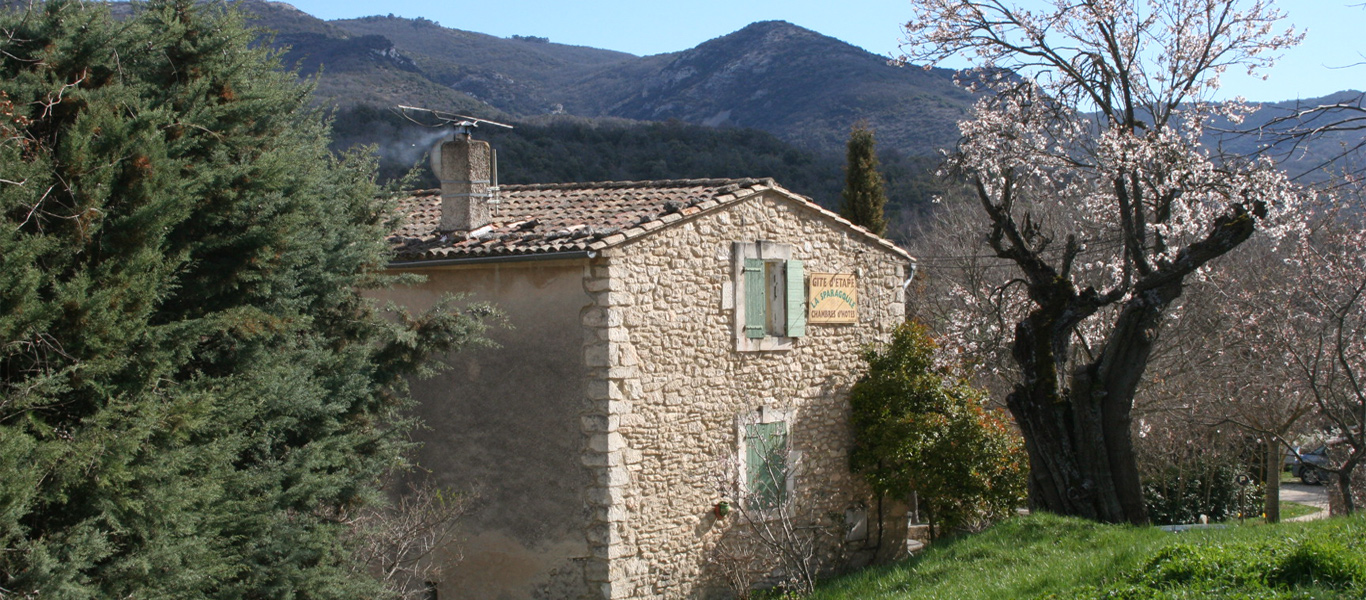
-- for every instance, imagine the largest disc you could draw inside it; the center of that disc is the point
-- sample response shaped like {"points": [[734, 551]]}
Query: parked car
{"points": [[1307, 464]]}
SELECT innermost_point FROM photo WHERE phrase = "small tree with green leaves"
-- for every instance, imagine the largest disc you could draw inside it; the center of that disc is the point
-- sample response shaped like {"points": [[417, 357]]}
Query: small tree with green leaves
{"points": [[920, 427], [863, 199]]}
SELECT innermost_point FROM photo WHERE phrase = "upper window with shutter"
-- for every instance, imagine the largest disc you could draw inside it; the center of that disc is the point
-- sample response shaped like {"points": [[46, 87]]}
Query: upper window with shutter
{"points": [[770, 296]]}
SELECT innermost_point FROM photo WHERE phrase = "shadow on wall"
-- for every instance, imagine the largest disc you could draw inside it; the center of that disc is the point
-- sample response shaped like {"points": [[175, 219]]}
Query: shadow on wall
{"points": [[787, 535]]}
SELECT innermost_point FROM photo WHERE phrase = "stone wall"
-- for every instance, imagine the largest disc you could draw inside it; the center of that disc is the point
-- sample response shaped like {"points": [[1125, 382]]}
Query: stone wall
{"points": [[667, 385], [505, 421]]}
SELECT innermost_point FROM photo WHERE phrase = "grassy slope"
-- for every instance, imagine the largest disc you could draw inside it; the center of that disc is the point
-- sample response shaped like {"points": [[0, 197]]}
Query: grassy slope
{"points": [[1043, 556], [1290, 510]]}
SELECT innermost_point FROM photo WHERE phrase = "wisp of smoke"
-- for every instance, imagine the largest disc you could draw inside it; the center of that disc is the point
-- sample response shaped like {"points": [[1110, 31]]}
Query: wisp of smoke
{"points": [[410, 149]]}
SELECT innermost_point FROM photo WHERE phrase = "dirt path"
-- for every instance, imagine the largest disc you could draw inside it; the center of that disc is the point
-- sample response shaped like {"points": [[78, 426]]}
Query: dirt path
{"points": [[1312, 495]]}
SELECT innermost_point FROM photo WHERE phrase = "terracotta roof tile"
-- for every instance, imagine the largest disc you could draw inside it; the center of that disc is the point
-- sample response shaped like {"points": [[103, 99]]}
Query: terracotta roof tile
{"points": [[531, 219], [568, 217]]}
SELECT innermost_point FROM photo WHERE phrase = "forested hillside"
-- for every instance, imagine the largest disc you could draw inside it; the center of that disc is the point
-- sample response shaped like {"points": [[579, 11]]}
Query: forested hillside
{"points": [[524, 76], [803, 87], [565, 149], [771, 99]]}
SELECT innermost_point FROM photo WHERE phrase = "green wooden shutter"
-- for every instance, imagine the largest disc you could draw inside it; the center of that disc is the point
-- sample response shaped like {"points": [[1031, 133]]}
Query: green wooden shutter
{"points": [[766, 464], [796, 298], [755, 301]]}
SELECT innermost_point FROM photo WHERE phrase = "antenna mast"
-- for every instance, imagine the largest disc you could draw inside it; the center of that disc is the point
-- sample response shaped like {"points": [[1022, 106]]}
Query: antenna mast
{"points": [[462, 124]]}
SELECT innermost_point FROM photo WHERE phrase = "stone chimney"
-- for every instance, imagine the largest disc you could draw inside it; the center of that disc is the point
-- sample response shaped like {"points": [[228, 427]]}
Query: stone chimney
{"points": [[465, 168]]}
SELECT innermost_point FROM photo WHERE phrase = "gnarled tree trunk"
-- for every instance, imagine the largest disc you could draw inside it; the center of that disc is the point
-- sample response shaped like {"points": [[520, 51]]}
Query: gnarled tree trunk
{"points": [[1082, 459], [1076, 424]]}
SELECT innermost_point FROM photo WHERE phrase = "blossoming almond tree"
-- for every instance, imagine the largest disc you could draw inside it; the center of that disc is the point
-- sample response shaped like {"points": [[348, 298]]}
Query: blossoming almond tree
{"points": [[1099, 106], [1316, 326]]}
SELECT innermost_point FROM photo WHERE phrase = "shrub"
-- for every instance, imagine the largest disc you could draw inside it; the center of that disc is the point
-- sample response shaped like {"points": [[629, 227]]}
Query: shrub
{"points": [[1190, 564], [1181, 493], [921, 427], [1320, 562]]}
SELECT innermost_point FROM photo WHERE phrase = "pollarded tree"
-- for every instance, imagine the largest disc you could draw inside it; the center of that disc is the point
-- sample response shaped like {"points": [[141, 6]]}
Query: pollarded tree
{"points": [[1105, 117], [191, 385], [863, 199], [1208, 371]]}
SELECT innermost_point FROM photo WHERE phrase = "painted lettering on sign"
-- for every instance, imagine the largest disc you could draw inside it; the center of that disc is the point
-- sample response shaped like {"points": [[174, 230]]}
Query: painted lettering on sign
{"points": [[833, 298]]}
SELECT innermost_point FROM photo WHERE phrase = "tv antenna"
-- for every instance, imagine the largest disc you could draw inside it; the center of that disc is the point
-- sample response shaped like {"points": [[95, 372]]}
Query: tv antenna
{"points": [[463, 124]]}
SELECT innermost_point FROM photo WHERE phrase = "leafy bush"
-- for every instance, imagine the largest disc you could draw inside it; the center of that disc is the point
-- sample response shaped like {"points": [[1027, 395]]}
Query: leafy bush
{"points": [[1181, 493], [1191, 564], [1320, 562], [920, 427]]}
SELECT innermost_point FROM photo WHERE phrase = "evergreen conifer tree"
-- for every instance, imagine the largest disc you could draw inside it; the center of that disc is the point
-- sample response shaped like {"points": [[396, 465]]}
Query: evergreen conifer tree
{"points": [[192, 386], [863, 199]]}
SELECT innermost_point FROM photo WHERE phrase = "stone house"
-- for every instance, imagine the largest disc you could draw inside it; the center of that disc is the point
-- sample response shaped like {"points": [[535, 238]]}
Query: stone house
{"points": [[661, 359]]}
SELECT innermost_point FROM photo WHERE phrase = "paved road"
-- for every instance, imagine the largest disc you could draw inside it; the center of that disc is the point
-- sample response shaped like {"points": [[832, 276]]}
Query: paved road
{"points": [[1313, 495]]}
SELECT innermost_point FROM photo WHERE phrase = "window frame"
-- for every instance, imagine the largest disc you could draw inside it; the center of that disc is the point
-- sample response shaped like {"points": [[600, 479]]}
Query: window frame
{"points": [[792, 459], [784, 281]]}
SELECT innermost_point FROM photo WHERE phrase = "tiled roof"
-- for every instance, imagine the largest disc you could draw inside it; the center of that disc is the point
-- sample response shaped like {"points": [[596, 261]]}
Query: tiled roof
{"points": [[569, 217]]}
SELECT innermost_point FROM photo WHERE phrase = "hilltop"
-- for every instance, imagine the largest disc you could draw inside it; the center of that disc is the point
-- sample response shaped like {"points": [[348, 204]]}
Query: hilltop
{"points": [[803, 87], [795, 91]]}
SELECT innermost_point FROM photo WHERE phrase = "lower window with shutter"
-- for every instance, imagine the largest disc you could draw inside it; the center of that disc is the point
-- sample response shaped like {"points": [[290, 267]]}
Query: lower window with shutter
{"points": [[766, 468], [768, 463]]}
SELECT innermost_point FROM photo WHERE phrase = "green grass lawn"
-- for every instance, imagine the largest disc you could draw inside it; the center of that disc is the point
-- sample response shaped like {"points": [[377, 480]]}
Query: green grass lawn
{"points": [[1044, 556], [1290, 510]]}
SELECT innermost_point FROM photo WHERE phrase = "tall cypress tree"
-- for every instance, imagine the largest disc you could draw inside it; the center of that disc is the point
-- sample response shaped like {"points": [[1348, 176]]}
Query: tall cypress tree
{"points": [[191, 384], [863, 199]]}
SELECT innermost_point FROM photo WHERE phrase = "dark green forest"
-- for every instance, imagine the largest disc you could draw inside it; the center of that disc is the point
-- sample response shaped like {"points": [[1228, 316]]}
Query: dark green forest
{"points": [[575, 149]]}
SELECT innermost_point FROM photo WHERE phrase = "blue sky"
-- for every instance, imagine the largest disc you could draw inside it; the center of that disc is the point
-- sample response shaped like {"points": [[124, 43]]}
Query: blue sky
{"points": [[1319, 66]]}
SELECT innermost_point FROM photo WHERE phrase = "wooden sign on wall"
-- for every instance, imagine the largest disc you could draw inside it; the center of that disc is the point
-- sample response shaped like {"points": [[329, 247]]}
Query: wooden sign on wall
{"points": [[832, 298]]}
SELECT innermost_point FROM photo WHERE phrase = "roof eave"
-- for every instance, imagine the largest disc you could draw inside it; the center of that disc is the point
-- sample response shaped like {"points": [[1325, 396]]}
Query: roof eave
{"points": [[732, 198], [501, 258]]}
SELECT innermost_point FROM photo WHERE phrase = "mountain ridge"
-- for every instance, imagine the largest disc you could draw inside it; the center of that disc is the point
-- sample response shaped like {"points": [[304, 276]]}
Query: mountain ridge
{"points": [[798, 84], [801, 85], [807, 88]]}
